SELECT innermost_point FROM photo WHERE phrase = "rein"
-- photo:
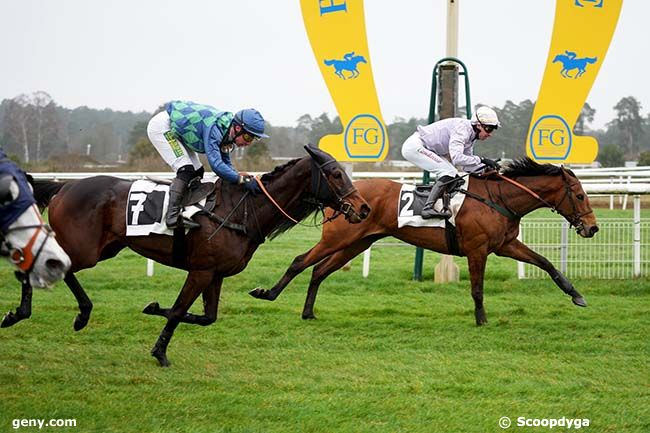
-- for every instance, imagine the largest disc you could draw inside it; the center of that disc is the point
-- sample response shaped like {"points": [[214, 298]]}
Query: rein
{"points": [[266, 193], [343, 207]]}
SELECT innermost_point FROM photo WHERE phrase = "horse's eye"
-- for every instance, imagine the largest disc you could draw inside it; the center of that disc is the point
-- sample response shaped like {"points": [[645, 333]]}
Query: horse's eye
{"points": [[580, 197], [337, 174]]}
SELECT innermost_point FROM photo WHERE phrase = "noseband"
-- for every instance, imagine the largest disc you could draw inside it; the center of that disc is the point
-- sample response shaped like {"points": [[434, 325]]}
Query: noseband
{"points": [[324, 191], [24, 258]]}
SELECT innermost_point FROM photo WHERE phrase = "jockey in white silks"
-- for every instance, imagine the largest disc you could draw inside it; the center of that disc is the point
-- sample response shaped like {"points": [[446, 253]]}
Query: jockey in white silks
{"points": [[442, 146]]}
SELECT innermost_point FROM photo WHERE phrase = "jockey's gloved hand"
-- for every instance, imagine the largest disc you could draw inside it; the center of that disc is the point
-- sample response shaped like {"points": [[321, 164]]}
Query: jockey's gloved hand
{"points": [[490, 163], [250, 184]]}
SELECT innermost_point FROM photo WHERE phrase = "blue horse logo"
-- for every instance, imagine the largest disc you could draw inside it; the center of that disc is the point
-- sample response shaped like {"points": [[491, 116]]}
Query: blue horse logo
{"points": [[348, 63], [599, 3], [570, 62]]}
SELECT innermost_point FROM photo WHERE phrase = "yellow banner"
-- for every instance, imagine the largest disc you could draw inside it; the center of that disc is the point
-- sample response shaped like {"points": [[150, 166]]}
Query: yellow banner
{"points": [[582, 32], [337, 33]]}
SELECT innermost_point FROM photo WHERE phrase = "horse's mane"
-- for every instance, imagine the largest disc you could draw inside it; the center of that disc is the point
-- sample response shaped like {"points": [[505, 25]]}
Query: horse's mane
{"points": [[299, 212], [527, 167]]}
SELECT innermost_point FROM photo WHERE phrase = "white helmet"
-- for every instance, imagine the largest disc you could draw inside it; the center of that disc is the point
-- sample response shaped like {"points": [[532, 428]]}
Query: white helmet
{"points": [[485, 116]]}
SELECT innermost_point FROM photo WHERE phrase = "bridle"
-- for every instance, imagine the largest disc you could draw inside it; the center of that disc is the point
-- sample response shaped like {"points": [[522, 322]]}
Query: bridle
{"points": [[343, 207], [24, 258], [575, 220]]}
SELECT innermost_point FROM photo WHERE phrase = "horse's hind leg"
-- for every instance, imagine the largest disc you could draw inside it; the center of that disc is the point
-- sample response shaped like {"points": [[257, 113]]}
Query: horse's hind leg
{"points": [[210, 306], [518, 251], [85, 305], [327, 267], [194, 284], [24, 311]]}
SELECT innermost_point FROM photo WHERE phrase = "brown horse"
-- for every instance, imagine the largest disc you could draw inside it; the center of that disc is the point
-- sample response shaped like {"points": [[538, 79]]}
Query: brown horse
{"points": [[89, 217], [488, 222]]}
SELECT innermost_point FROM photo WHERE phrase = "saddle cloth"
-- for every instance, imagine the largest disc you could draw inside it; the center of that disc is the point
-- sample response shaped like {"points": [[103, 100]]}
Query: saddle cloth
{"points": [[147, 206], [410, 204]]}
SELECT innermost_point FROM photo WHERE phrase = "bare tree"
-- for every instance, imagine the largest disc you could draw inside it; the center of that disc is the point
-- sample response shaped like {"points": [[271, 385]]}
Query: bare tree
{"points": [[17, 118]]}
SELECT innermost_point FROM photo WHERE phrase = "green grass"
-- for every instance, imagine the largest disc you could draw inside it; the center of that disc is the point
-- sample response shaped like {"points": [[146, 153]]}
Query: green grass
{"points": [[386, 354]]}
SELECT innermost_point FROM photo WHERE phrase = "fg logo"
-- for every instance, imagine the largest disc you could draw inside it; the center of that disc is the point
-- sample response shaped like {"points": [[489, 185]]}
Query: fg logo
{"points": [[550, 138], [365, 137]]}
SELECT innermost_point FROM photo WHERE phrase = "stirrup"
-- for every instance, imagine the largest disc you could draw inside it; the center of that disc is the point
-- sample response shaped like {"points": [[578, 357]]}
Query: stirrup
{"points": [[190, 224]]}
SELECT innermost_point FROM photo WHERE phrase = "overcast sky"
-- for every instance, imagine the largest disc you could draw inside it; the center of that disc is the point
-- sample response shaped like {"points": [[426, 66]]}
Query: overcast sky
{"points": [[136, 54]]}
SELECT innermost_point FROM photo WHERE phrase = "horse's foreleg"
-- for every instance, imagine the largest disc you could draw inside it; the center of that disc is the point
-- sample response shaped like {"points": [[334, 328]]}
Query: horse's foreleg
{"points": [[299, 264], [327, 267], [85, 305], [194, 284], [210, 305], [518, 251], [24, 310], [476, 263]]}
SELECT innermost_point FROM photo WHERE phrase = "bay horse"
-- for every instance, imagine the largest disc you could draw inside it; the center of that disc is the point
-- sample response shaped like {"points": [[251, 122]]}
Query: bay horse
{"points": [[487, 222], [26, 241], [90, 214]]}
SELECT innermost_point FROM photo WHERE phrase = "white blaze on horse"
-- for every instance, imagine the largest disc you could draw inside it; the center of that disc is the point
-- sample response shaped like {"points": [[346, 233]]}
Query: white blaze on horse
{"points": [[25, 239]]}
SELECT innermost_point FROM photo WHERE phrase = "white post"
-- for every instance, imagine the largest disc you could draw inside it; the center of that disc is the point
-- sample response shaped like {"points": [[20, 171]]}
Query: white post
{"points": [[452, 28], [637, 235], [520, 265], [149, 268], [611, 196], [366, 263]]}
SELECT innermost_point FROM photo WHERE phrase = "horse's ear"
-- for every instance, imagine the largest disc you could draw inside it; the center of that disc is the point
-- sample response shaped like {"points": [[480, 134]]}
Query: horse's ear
{"points": [[313, 151]]}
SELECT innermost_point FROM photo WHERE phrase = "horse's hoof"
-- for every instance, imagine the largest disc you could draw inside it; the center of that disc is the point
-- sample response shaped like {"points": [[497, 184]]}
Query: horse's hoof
{"points": [[8, 320], [308, 316], [257, 292], [161, 357], [579, 301], [80, 322], [151, 308]]}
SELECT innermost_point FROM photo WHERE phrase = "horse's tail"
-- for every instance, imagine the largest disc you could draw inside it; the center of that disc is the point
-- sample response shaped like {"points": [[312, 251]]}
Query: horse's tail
{"points": [[591, 59], [329, 62], [44, 190]]}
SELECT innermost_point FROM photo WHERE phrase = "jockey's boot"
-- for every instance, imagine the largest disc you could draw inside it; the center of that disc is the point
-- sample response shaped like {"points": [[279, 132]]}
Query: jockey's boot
{"points": [[176, 192], [437, 191]]}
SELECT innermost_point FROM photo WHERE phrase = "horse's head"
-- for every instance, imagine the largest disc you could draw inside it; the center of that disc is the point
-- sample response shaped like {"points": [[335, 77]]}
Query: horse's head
{"points": [[560, 58], [573, 204], [25, 239], [359, 59], [332, 186]]}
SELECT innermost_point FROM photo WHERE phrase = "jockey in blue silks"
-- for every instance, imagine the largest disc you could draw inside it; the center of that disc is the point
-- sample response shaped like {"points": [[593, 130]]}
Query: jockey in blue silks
{"points": [[11, 209], [185, 129]]}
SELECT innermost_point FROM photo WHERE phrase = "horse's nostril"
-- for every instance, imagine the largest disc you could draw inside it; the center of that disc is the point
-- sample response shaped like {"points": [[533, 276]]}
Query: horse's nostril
{"points": [[594, 229], [55, 265], [365, 210]]}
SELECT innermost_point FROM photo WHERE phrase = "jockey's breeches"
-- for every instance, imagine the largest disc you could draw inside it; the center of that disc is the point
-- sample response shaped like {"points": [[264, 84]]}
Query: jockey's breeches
{"points": [[413, 150]]}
